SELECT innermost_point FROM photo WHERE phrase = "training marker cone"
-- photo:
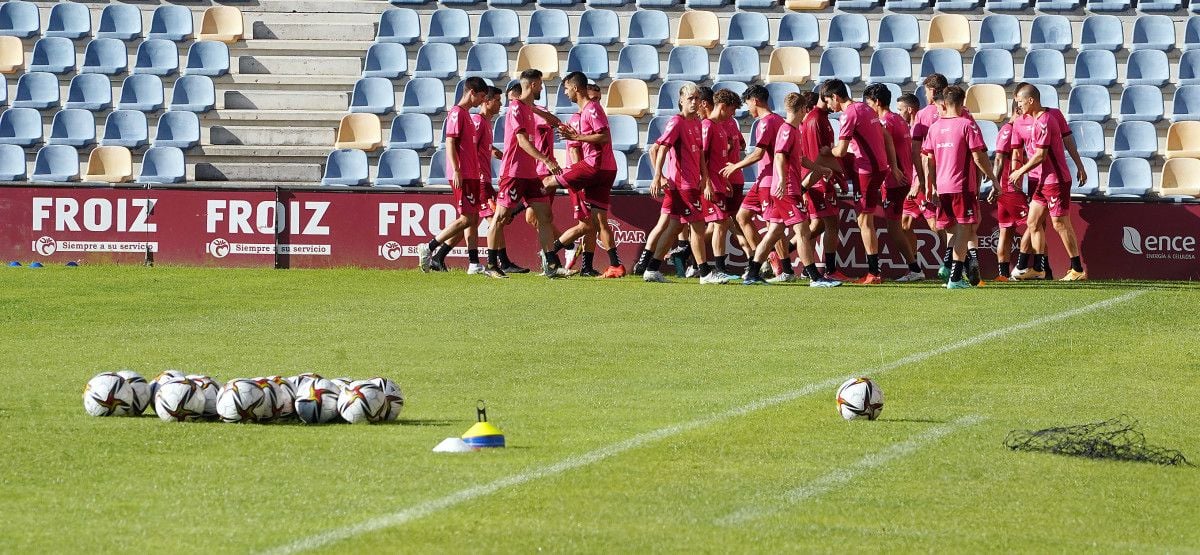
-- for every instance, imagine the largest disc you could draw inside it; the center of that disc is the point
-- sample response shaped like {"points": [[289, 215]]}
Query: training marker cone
{"points": [[483, 433]]}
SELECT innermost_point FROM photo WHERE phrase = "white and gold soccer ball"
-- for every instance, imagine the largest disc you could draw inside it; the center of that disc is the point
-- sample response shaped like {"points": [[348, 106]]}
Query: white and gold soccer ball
{"points": [[179, 400], [394, 397], [242, 400], [141, 391], [317, 401], [859, 398], [362, 401], [284, 395], [108, 394], [210, 388]]}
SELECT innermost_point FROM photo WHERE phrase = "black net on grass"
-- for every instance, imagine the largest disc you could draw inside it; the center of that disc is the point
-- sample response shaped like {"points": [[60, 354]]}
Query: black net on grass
{"points": [[1116, 439]]}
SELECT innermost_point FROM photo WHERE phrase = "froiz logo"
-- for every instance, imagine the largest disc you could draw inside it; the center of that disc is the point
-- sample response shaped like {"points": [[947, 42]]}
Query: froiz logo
{"points": [[391, 251], [46, 246]]}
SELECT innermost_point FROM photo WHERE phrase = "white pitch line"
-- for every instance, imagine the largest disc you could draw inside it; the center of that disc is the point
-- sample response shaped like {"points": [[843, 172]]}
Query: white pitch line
{"points": [[844, 475], [427, 508]]}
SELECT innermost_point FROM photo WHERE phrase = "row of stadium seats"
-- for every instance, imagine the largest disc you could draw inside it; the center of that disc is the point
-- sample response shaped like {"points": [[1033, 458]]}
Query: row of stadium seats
{"points": [[105, 164], [77, 128], [111, 57], [142, 92], [119, 21], [858, 5]]}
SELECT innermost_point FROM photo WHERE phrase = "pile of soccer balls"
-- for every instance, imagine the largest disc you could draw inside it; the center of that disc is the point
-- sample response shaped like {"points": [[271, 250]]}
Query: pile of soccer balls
{"points": [[183, 398]]}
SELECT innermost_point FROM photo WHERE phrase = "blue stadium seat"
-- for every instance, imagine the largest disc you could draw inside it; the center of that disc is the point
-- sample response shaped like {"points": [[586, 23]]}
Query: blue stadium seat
{"points": [[777, 92], [1089, 138], [20, 19], [1108, 5], [907, 5], [107, 57], [89, 92], [688, 63], [1191, 33], [644, 175], [207, 57], [1153, 32], [992, 66], [1045, 67], [548, 27], [143, 93], [638, 61], [498, 26], [1095, 67], [1000, 31], [37, 90], [989, 130], [609, 3], [449, 25], [624, 132], [194, 93], [755, 4], [411, 131], [75, 128], [1093, 173], [53, 55], [956, 5], [1185, 106], [1007, 5], [798, 29], [462, 3], [1102, 32], [839, 63], [374, 95], [69, 20], [890, 65], [163, 164], [487, 60], [178, 129], [655, 130], [21, 127], [1189, 68], [1135, 139], [126, 128], [748, 29], [402, 26], [1159, 5], [648, 27], [173, 23], [121, 22], [156, 57], [563, 106], [398, 167], [1129, 178], [898, 31], [1057, 5], [437, 60], [56, 164], [859, 5], [498, 132], [1050, 31], [389, 60], [668, 98], [1141, 103], [598, 27], [3, 91], [12, 163], [668, 4], [738, 88], [346, 167], [847, 30], [706, 4], [1089, 103], [437, 168], [621, 182], [1049, 95], [421, 96], [508, 3], [591, 59], [738, 63], [1147, 67], [945, 61], [409, 2]]}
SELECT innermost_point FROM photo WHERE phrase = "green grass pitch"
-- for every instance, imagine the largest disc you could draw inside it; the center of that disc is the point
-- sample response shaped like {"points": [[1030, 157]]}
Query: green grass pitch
{"points": [[628, 387]]}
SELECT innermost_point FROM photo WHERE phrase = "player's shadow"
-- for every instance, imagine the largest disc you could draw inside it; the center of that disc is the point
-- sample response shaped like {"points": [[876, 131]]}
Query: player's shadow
{"points": [[911, 421]]}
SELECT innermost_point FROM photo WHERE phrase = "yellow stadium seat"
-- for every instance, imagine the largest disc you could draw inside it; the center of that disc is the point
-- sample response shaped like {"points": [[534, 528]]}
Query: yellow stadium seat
{"points": [[538, 56], [806, 5], [12, 55], [698, 29], [628, 97], [789, 64], [221, 23], [360, 131], [109, 164], [1183, 140], [1180, 177], [987, 102], [948, 31]]}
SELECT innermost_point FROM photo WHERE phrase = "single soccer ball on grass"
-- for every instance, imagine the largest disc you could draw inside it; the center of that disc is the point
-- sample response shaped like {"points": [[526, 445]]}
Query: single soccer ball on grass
{"points": [[244, 400], [108, 394], [179, 400], [210, 388], [317, 401], [362, 401], [859, 398], [393, 396], [141, 391]]}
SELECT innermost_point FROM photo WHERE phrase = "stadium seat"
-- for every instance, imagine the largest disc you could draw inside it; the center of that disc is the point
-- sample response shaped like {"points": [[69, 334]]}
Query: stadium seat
{"points": [[706, 4], [155, 57], [221, 23], [1147, 67], [898, 31], [91, 92], [1189, 68], [748, 29], [53, 55], [688, 63], [1050, 31], [3, 91], [1108, 5], [390, 61], [989, 130], [1049, 95], [1045, 67], [20, 19], [1153, 32], [847, 30], [648, 27], [498, 132], [798, 29], [1142, 103], [1007, 5], [127, 128], [109, 164], [37, 90], [449, 25], [788, 64], [1089, 138], [655, 130], [12, 55], [638, 61], [658, 4], [907, 5], [803, 5], [508, 3], [1089, 103], [374, 95], [1180, 179], [12, 163], [945, 61], [755, 4], [738, 88], [178, 129], [1057, 5], [108, 57], [597, 27], [999, 31], [698, 28], [858, 5], [21, 127], [69, 20], [668, 98], [563, 106], [1185, 106], [437, 168], [121, 22], [992, 66], [1102, 32], [621, 182], [437, 60], [738, 63], [644, 175], [56, 164], [1191, 33], [1093, 174], [193, 93], [173, 23], [948, 31], [206, 57], [162, 165], [957, 5], [347, 167], [839, 63], [402, 26], [421, 96], [1129, 178], [464, 3], [987, 102], [777, 93], [486, 60], [416, 2], [1183, 140], [890, 65], [623, 131], [359, 131], [1159, 5], [591, 59], [496, 26], [609, 3], [398, 167], [411, 131], [548, 27], [75, 128], [1135, 139], [538, 56], [630, 97], [1095, 67]]}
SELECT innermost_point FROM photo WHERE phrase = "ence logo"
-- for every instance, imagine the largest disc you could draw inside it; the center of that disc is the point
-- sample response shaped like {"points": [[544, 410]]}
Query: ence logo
{"points": [[1173, 247]]}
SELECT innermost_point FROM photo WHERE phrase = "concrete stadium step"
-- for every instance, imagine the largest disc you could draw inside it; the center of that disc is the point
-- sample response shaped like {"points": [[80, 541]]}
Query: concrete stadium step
{"points": [[250, 117], [276, 100], [244, 152], [312, 31], [260, 171], [294, 65], [318, 6], [278, 47], [220, 135]]}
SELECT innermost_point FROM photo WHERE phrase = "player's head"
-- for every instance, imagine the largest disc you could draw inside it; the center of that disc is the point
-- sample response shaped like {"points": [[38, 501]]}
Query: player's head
{"points": [[878, 97], [952, 100], [1028, 98], [793, 105], [491, 103], [575, 86], [808, 101], [757, 100], [836, 94], [689, 99], [725, 104], [474, 91], [531, 83], [908, 105], [934, 84], [593, 91], [514, 91], [706, 101]]}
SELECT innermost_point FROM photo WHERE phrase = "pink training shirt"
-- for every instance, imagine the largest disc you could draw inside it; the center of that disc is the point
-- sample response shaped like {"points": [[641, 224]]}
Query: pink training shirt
{"points": [[543, 140], [862, 128], [515, 162], [460, 126], [951, 141], [1048, 134], [739, 144], [789, 144], [1004, 145], [898, 129], [483, 144], [574, 123], [593, 120], [719, 147], [1022, 136], [766, 131], [683, 138]]}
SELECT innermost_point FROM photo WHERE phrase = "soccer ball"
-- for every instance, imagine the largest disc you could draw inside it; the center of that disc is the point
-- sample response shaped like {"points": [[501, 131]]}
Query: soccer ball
{"points": [[243, 400], [341, 383], [284, 397], [161, 379], [179, 400], [210, 388], [299, 381], [108, 394], [859, 398], [395, 399], [362, 401], [141, 391], [316, 401]]}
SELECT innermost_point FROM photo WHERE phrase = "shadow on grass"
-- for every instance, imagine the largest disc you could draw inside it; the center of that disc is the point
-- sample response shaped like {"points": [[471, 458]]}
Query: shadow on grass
{"points": [[911, 421]]}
